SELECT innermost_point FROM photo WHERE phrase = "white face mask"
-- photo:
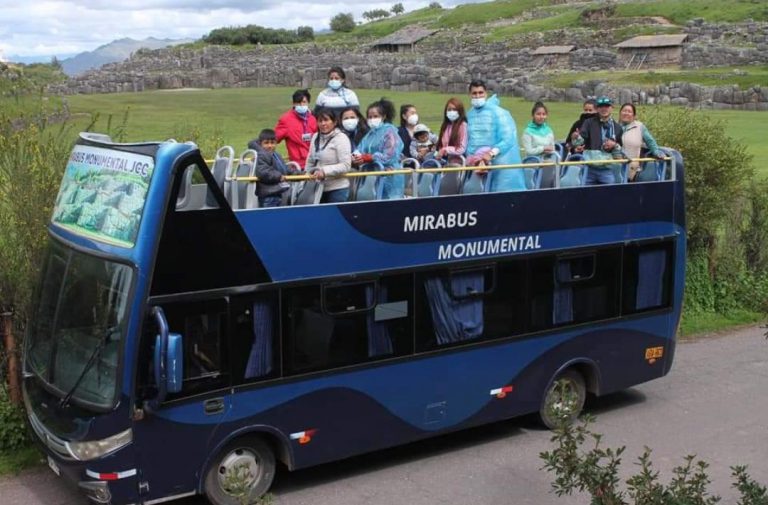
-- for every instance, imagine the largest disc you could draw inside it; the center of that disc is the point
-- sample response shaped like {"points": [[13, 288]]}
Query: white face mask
{"points": [[374, 123], [452, 115], [301, 109], [349, 124], [334, 84], [478, 102], [413, 119]]}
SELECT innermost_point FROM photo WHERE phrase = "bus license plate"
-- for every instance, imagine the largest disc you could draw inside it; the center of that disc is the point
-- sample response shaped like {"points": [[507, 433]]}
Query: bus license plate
{"points": [[53, 466]]}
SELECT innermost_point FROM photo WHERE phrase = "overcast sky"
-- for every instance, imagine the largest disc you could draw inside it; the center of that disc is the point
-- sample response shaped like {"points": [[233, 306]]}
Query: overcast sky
{"points": [[44, 28]]}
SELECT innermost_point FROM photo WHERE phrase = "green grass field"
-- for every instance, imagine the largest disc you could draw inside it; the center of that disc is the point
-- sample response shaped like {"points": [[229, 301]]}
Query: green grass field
{"points": [[237, 115]]}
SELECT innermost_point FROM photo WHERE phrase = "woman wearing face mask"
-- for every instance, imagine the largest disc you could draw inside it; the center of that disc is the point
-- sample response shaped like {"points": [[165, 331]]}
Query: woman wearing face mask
{"points": [[452, 141], [329, 157], [354, 125], [539, 140], [337, 96], [382, 144], [409, 118]]}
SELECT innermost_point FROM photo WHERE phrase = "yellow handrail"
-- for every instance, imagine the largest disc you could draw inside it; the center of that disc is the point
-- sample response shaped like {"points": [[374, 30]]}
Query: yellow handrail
{"points": [[403, 171]]}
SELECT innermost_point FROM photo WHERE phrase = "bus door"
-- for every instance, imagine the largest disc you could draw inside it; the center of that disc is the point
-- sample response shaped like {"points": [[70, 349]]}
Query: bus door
{"points": [[175, 438]]}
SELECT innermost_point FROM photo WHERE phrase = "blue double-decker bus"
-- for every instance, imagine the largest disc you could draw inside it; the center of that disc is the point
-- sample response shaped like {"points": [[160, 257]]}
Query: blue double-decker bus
{"points": [[182, 344]]}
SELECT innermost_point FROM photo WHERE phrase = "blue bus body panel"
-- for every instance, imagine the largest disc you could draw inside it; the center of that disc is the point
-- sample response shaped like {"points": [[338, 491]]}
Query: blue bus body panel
{"points": [[357, 238]]}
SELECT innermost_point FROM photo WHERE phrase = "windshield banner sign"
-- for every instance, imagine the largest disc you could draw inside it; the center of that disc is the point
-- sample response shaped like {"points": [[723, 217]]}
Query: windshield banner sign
{"points": [[102, 194]]}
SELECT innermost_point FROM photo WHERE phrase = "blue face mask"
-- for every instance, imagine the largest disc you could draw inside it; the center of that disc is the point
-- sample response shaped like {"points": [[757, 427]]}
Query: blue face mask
{"points": [[334, 84], [301, 109], [478, 102]]}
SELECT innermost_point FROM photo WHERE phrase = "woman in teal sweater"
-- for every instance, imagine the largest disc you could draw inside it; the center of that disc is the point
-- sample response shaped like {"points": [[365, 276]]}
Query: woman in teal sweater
{"points": [[539, 140]]}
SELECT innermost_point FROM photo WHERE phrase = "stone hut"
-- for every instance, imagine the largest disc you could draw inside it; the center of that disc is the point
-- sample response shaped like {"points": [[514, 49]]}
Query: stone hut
{"points": [[552, 56], [651, 50], [403, 40]]}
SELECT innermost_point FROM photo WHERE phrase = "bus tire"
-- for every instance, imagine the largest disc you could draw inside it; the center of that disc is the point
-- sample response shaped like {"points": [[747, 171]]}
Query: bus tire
{"points": [[563, 400], [244, 467]]}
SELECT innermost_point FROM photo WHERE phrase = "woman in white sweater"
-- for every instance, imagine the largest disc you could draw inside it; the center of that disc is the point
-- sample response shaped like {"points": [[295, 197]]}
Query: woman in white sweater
{"points": [[330, 156]]}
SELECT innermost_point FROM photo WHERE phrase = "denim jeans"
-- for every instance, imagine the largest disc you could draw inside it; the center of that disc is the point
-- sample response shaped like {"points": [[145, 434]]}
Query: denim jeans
{"points": [[335, 196], [270, 201], [599, 176]]}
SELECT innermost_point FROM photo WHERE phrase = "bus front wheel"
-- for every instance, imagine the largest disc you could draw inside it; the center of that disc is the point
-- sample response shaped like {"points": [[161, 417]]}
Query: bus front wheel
{"points": [[563, 400], [242, 472]]}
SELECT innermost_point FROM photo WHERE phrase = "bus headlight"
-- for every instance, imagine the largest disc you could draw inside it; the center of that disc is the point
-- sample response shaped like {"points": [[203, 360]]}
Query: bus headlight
{"points": [[85, 451]]}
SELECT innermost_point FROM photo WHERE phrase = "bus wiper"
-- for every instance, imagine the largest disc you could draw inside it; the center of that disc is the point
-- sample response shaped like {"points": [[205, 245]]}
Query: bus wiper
{"points": [[91, 360]]}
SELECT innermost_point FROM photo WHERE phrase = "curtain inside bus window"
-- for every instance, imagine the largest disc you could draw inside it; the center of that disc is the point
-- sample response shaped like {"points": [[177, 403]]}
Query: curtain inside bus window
{"points": [[562, 301], [260, 357], [379, 340], [651, 264], [456, 319]]}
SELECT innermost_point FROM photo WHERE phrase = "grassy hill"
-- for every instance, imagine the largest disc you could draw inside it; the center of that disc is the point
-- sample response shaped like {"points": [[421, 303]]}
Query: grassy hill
{"points": [[503, 19]]}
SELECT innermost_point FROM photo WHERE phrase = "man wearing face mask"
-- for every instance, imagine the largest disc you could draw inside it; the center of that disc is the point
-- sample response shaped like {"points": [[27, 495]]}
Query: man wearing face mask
{"points": [[336, 96], [493, 138], [296, 127]]}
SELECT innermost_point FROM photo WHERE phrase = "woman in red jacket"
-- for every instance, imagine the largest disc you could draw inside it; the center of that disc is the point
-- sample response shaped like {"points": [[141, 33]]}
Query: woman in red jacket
{"points": [[296, 127]]}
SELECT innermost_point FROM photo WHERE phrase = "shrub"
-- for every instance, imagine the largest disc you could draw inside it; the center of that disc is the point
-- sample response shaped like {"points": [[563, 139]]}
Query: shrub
{"points": [[13, 428], [717, 168], [343, 22]]}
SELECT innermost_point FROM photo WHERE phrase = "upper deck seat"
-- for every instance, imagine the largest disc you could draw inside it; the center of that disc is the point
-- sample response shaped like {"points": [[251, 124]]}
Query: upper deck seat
{"points": [[475, 183], [184, 198], [573, 175], [426, 182], [222, 165], [369, 187], [410, 179], [308, 193], [243, 193], [532, 175]]}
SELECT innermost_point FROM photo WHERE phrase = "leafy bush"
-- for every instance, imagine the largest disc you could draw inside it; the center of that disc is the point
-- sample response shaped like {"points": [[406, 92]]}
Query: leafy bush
{"points": [[717, 168], [595, 470], [13, 428], [342, 22], [255, 34]]}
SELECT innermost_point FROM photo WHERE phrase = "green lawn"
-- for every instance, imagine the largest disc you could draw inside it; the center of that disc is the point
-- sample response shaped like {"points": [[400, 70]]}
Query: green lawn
{"points": [[234, 116], [16, 461]]}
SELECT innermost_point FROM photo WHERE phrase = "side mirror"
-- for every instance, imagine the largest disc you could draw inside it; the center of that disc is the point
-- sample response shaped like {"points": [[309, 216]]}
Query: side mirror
{"points": [[169, 363]]}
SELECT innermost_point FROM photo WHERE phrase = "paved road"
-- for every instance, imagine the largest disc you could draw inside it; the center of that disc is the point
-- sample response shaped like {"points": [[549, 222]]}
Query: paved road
{"points": [[714, 403]]}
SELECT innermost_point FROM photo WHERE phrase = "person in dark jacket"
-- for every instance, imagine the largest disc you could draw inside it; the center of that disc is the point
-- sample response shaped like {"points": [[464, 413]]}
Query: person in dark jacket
{"points": [[601, 138], [270, 169], [589, 109]]}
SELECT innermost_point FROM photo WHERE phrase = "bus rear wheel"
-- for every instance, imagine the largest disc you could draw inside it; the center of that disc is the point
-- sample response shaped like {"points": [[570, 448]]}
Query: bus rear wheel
{"points": [[563, 400], [242, 472]]}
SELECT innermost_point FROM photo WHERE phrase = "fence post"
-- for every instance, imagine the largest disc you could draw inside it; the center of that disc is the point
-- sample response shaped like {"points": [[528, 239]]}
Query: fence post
{"points": [[6, 328]]}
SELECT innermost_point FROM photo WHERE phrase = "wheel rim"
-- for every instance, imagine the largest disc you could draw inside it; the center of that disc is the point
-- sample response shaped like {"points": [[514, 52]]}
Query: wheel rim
{"points": [[563, 400], [239, 472]]}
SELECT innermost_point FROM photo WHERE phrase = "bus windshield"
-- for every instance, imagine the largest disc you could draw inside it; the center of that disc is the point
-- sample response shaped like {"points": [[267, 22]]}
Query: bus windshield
{"points": [[78, 325]]}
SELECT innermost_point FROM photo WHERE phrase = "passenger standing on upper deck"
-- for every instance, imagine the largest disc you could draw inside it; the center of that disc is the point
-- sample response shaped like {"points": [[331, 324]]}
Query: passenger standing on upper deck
{"points": [[382, 144], [539, 140], [588, 110], [601, 137], [270, 169], [337, 96], [409, 118], [296, 127], [492, 130], [452, 140], [634, 138], [330, 156]]}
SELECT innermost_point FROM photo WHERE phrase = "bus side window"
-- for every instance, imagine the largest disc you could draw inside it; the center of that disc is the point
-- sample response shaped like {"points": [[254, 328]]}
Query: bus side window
{"points": [[343, 324], [253, 339], [203, 326], [465, 305], [647, 277]]}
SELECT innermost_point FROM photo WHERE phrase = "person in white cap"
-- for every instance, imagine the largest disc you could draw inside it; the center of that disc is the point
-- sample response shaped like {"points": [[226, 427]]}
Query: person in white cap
{"points": [[423, 144]]}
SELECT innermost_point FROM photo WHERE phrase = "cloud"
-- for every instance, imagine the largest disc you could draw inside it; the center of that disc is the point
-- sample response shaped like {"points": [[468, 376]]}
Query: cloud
{"points": [[61, 27]]}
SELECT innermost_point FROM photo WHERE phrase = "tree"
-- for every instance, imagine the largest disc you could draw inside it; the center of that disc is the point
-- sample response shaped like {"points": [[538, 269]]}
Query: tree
{"points": [[305, 33], [343, 22], [435, 5], [398, 9], [374, 14]]}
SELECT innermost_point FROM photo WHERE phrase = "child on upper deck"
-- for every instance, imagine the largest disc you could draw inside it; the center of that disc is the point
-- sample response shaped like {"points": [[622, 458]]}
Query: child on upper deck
{"points": [[423, 143], [270, 169]]}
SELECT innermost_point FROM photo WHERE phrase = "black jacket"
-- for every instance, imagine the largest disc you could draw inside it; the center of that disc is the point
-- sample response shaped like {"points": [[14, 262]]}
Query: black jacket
{"points": [[270, 168], [576, 126], [591, 132]]}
